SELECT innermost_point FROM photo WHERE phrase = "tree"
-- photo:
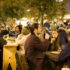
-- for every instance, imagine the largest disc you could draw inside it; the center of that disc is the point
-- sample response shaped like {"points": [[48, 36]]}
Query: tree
{"points": [[61, 9], [38, 8], [11, 8]]}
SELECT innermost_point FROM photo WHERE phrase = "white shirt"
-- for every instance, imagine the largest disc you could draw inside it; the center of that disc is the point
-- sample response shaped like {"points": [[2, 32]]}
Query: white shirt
{"points": [[21, 41]]}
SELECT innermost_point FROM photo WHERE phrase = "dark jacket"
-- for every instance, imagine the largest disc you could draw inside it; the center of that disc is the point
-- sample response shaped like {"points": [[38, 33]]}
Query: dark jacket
{"points": [[65, 54], [63, 37], [13, 34], [4, 32], [34, 49], [47, 25], [2, 43]]}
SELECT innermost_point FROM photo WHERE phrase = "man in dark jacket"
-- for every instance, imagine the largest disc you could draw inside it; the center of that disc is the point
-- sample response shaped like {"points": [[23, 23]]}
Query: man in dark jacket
{"points": [[65, 55], [34, 49]]}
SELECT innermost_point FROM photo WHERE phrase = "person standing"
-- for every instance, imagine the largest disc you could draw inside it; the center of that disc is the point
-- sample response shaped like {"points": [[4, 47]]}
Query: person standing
{"points": [[34, 49]]}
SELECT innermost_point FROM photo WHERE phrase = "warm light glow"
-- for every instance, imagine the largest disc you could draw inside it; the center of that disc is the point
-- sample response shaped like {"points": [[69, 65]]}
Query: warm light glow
{"points": [[67, 16], [59, 0], [28, 10], [24, 23]]}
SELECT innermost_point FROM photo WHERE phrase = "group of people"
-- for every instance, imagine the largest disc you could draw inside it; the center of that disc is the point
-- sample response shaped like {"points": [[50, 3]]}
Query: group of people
{"points": [[36, 39], [34, 46]]}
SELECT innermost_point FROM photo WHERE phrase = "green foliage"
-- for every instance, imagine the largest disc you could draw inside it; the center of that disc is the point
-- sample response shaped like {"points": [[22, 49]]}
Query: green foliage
{"points": [[38, 8], [12, 9]]}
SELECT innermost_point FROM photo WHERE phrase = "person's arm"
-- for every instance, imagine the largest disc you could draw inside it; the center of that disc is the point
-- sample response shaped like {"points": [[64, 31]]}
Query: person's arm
{"points": [[65, 53], [37, 44], [22, 40]]}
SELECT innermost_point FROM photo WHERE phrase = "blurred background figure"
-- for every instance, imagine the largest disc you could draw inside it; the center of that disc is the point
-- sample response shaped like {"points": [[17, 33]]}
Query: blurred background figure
{"points": [[18, 29], [54, 40], [2, 43], [22, 38], [46, 24], [64, 56], [63, 37], [60, 24]]}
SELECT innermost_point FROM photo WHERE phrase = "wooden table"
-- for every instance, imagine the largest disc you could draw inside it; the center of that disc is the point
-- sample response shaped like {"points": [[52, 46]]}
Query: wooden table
{"points": [[53, 55], [9, 52]]}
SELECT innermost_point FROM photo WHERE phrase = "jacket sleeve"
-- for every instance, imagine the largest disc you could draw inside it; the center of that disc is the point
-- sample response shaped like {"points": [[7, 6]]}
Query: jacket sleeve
{"points": [[65, 53], [37, 44], [2, 42]]}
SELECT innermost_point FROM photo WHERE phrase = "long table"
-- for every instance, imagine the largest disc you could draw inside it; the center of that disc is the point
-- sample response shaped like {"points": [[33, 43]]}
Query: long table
{"points": [[53, 55]]}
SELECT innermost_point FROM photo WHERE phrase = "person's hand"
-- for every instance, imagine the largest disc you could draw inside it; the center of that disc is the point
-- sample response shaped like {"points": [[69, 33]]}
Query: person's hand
{"points": [[47, 36], [56, 35], [21, 34], [52, 40]]}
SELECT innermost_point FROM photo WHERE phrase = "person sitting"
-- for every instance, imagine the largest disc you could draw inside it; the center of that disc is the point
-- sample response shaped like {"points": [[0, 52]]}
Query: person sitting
{"points": [[64, 56], [34, 49], [16, 31], [63, 37], [12, 33], [54, 41]]}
